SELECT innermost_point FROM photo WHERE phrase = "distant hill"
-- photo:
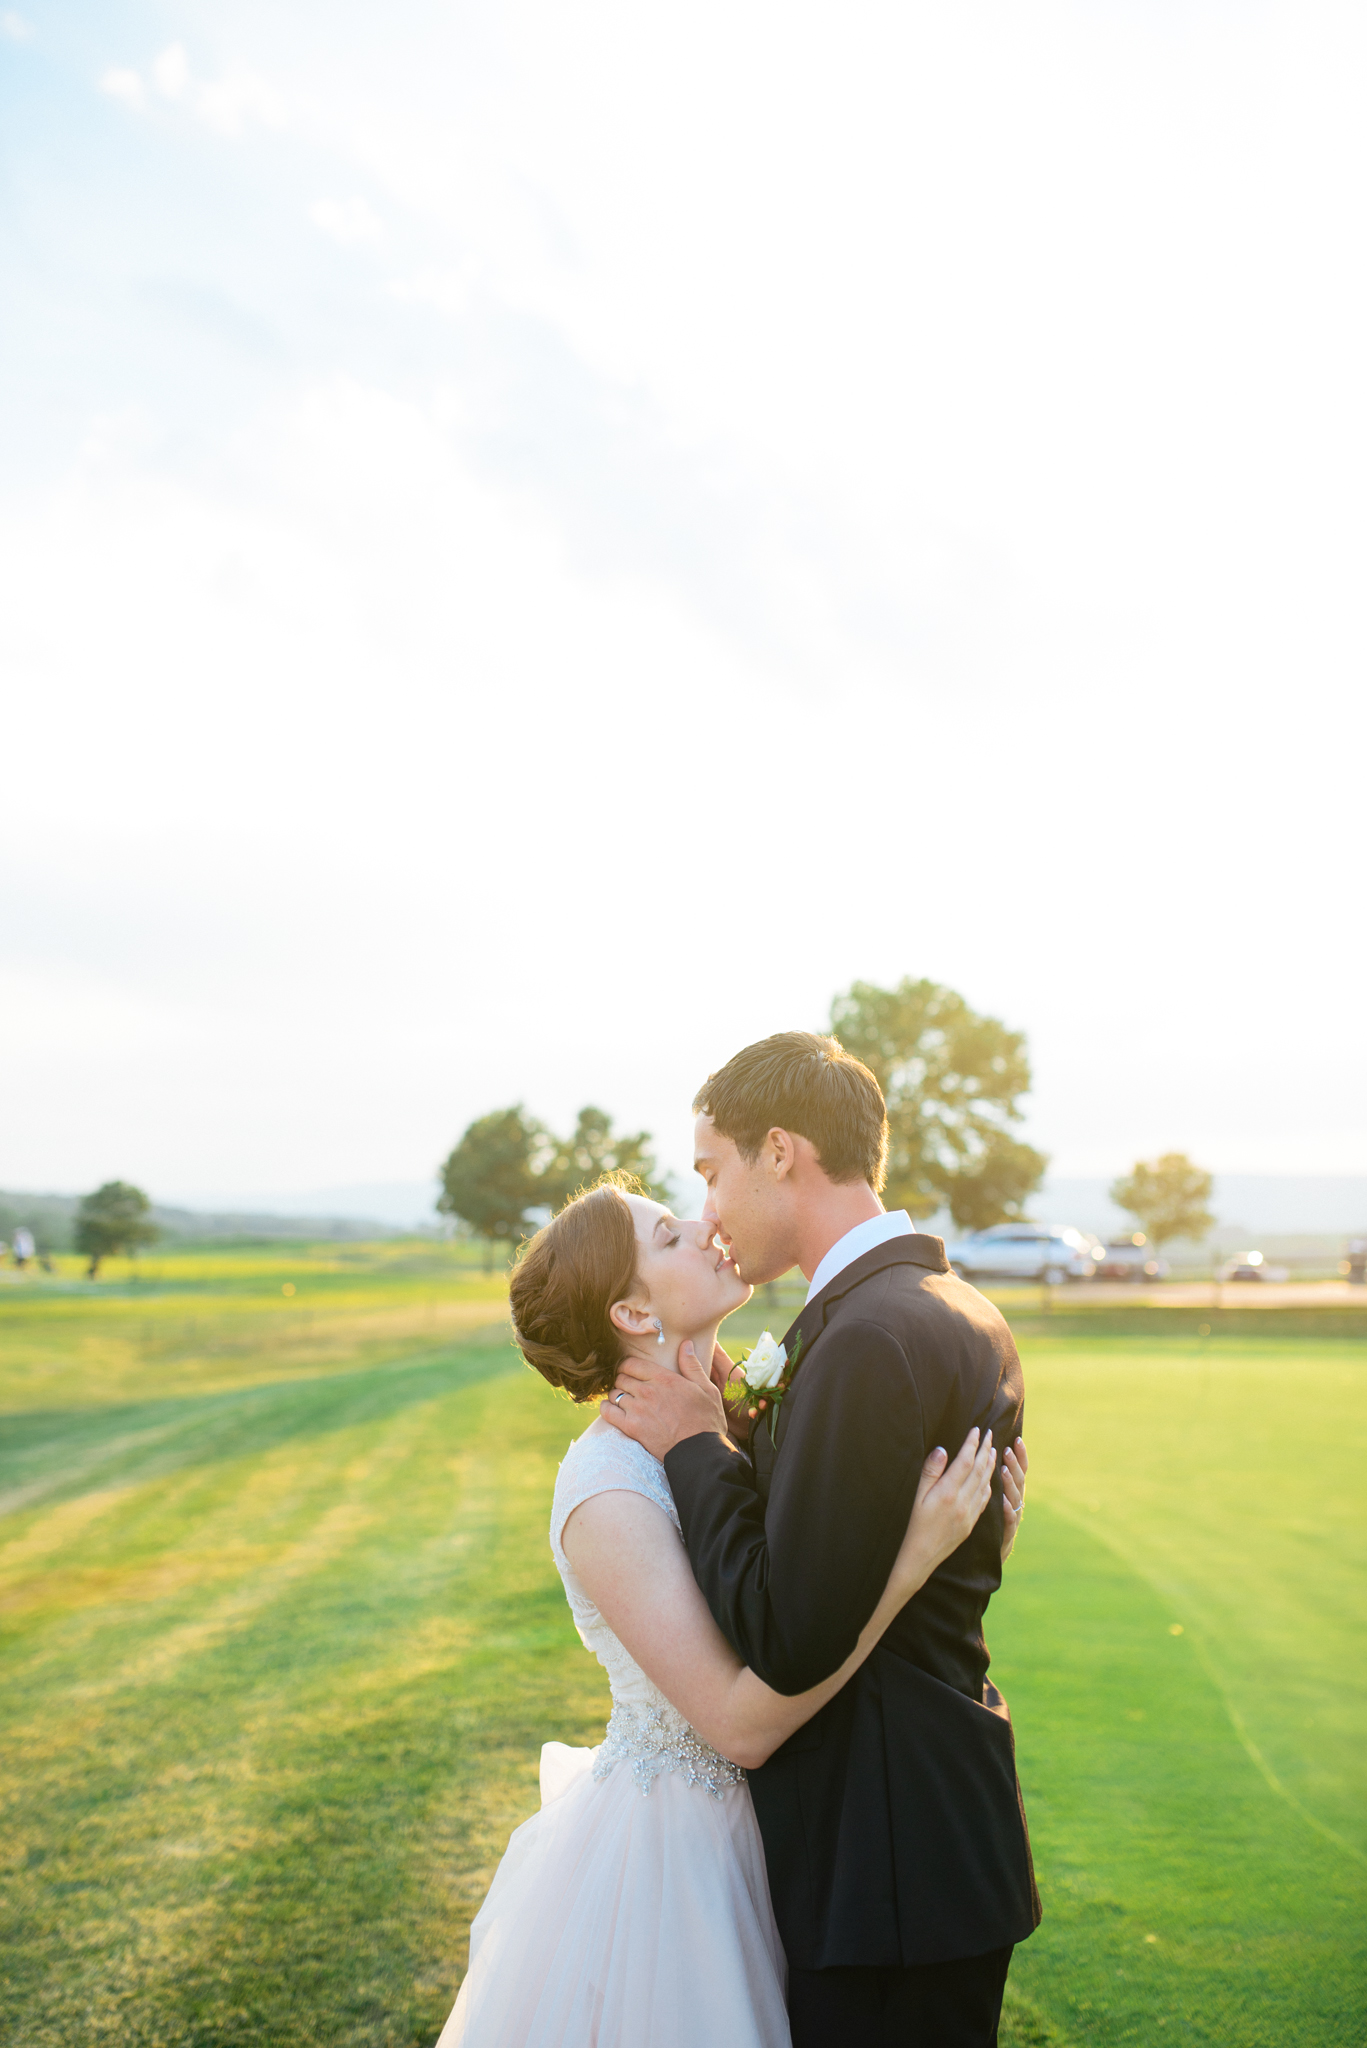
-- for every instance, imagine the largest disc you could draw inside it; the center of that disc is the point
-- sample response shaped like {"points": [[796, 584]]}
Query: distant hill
{"points": [[1246, 1205], [51, 1217], [400, 1204]]}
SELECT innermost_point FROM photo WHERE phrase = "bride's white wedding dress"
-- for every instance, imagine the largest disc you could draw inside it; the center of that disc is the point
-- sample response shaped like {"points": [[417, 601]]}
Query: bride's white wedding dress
{"points": [[633, 1910]]}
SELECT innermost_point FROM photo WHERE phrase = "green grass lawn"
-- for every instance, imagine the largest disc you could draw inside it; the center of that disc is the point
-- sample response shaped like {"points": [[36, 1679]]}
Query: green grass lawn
{"points": [[1183, 1639], [282, 1639]]}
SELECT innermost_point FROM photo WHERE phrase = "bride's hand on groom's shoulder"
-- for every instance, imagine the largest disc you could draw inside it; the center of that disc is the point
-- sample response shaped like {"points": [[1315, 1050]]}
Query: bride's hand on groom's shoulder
{"points": [[950, 1499], [1015, 1465], [659, 1408]]}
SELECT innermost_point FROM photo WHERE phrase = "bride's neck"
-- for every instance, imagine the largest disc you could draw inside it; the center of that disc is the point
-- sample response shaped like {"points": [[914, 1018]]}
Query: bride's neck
{"points": [[704, 1343]]}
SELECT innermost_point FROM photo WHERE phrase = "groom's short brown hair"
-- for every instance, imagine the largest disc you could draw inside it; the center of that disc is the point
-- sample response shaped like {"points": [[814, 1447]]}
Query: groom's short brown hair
{"points": [[798, 1081]]}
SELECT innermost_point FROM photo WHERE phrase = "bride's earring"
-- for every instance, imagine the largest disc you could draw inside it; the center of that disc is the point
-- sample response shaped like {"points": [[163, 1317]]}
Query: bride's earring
{"points": [[660, 1327]]}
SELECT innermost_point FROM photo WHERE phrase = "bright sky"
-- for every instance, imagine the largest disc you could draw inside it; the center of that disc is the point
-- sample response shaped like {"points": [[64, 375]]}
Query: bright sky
{"points": [[538, 543]]}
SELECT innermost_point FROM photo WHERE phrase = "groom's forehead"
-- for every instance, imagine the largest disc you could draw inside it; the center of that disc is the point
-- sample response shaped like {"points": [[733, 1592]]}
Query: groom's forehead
{"points": [[708, 1143]]}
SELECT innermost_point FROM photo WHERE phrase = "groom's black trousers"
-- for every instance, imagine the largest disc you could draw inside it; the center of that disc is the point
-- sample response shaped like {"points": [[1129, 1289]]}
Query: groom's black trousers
{"points": [[932, 2005]]}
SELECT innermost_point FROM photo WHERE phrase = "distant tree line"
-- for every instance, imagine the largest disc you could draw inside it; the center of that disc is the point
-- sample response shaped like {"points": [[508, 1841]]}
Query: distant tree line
{"points": [[51, 1219], [953, 1080], [509, 1164], [115, 1219], [1167, 1197]]}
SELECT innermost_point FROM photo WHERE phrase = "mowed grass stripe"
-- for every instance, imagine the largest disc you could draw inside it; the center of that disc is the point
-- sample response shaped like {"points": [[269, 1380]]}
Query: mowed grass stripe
{"points": [[1228, 1473], [208, 1322], [277, 1684], [239, 1500], [267, 1814], [1183, 1899], [50, 1453]]}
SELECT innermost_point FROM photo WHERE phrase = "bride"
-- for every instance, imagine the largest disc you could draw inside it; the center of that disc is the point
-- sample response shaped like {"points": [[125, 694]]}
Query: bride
{"points": [[633, 1908]]}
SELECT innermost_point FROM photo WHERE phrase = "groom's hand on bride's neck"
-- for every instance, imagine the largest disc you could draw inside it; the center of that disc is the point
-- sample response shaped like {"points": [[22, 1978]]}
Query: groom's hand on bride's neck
{"points": [[659, 1408]]}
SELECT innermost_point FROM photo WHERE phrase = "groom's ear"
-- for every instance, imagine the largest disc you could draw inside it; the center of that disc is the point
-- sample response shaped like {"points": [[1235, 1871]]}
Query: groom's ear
{"points": [[782, 1150]]}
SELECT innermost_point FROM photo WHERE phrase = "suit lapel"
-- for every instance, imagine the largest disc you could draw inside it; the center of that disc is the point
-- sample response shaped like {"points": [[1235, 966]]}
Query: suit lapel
{"points": [[916, 1249], [799, 1338], [762, 1455]]}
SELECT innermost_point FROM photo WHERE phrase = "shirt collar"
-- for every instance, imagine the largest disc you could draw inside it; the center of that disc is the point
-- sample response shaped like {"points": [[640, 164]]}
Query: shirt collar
{"points": [[865, 1237]]}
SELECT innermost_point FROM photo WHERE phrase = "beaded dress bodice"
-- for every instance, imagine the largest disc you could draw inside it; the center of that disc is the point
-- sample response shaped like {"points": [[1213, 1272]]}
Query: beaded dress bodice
{"points": [[644, 1730]]}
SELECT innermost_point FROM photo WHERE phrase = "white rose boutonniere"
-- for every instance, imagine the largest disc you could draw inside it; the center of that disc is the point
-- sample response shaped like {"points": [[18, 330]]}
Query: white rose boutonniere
{"points": [[763, 1377], [764, 1365]]}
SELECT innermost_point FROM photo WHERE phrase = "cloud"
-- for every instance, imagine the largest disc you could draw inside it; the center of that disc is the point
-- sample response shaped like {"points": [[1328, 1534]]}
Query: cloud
{"points": [[237, 100], [171, 72], [125, 85], [16, 28], [346, 220], [937, 435], [228, 104]]}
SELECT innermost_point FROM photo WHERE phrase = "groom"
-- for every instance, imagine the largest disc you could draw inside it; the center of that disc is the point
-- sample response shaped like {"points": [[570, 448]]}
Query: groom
{"points": [[893, 1827]]}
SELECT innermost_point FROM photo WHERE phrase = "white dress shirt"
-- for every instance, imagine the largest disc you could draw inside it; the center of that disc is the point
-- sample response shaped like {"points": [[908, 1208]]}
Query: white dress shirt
{"points": [[853, 1245]]}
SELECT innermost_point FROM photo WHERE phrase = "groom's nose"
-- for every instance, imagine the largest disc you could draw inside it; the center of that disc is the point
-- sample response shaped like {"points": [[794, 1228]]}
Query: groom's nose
{"points": [[712, 1224]]}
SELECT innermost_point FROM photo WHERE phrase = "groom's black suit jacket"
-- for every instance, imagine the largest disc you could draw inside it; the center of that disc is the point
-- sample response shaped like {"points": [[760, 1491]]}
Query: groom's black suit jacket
{"points": [[892, 1822]]}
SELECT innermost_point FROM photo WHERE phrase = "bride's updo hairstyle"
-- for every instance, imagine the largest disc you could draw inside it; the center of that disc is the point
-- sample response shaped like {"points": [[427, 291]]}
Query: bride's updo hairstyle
{"points": [[564, 1283]]}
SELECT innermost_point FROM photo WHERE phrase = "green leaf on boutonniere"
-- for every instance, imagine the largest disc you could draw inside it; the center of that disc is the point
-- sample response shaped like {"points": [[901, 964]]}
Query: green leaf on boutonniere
{"points": [[789, 1370], [760, 1375], [763, 1377]]}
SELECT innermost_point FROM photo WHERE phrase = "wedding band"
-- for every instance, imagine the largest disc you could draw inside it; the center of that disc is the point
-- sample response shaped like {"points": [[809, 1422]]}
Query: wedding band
{"points": [[618, 1399]]}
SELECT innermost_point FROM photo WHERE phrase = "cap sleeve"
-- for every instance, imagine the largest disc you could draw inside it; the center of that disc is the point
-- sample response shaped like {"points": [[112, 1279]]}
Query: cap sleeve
{"points": [[602, 1460]]}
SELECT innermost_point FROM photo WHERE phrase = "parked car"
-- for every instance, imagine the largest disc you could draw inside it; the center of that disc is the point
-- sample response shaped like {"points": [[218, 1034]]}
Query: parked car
{"points": [[1251, 1266], [1130, 1258], [1054, 1252]]}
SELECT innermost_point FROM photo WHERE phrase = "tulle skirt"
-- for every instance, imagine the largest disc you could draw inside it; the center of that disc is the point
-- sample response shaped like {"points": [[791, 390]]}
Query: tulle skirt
{"points": [[619, 1919]]}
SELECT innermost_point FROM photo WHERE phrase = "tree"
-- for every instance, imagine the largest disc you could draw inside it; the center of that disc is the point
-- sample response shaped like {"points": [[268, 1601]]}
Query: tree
{"points": [[594, 1150], [1168, 1196], [508, 1163], [494, 1175], [952, 1080], [114, 1219]]}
